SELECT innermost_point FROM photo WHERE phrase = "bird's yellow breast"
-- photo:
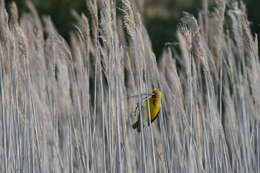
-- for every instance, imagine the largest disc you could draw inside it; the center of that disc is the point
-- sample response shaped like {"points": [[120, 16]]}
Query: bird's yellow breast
{"points": [[154, 107]]}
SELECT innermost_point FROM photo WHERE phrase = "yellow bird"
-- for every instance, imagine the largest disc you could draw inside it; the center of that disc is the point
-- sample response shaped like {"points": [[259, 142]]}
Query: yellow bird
{"points": [[153, 104]]}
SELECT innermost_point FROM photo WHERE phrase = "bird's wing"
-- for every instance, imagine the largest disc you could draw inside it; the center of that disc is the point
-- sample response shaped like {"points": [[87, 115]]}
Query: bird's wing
{"points": [[152, 120]]}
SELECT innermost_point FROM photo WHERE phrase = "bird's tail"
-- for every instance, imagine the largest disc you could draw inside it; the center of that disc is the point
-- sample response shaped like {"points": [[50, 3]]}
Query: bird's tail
{"points": [[136, 125]]}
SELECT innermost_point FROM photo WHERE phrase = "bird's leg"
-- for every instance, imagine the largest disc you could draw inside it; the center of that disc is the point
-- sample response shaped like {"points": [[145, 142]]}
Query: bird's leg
{"points": [[146, 98]]}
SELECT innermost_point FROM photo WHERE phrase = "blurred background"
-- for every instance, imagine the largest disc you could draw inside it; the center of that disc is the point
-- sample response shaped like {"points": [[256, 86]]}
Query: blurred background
{"points": [[160, 16]]}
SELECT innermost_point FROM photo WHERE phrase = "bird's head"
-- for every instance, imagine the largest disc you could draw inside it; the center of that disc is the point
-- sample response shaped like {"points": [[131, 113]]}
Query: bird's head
{"points": [[157, 93]]}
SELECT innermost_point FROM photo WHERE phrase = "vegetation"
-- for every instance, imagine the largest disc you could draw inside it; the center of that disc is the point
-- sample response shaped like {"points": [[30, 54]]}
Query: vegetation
{"points": [[160, 17], [68, 109]]}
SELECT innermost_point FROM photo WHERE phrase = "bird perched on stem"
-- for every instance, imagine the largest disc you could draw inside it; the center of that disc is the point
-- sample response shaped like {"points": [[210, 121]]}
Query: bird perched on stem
{"points": [[152, 108]]}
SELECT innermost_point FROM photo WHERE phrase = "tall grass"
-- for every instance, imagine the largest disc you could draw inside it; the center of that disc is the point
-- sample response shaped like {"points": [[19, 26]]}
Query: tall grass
{"points": [[68, 108]]}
